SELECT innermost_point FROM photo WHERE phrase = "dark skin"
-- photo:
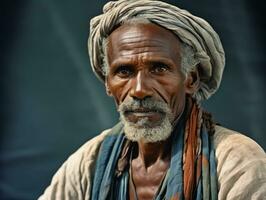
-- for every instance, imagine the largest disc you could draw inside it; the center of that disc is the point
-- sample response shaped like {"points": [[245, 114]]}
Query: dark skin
{"points": [[144, 62]]}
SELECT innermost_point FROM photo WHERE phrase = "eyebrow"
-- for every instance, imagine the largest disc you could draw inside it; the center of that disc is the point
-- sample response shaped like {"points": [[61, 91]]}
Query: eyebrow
{"points": [[125, 61], [160, 61]]}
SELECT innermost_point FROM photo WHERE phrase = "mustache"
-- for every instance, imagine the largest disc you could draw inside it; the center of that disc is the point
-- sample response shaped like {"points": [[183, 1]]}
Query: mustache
{"points": [[144, 105]]}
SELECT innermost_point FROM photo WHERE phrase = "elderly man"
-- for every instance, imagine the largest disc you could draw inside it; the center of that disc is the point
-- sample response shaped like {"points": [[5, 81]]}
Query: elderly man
{"points": [[159, 62]]}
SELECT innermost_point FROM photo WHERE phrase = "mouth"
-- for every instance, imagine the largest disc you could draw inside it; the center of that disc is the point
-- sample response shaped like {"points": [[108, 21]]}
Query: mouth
{"points": [[143, 111], [151, 116]]}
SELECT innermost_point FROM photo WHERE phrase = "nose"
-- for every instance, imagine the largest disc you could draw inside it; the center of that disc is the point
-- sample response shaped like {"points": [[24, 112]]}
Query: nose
{"points": [[140, 88]]}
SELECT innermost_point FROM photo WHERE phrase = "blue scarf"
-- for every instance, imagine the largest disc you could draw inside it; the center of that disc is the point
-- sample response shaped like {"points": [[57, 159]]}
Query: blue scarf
{"points": [[108, 185]]}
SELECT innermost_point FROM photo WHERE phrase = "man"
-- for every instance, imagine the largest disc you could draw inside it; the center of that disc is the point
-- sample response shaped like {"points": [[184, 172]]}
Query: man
{"points": [[159, 62]]}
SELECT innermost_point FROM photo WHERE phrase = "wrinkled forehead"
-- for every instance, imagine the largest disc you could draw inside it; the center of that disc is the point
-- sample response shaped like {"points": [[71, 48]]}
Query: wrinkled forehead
{"points": [[140, 35], [134, 27]]}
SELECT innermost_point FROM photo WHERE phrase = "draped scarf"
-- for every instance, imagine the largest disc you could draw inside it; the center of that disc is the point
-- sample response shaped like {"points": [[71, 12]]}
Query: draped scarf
{"points": [[192, 172]]}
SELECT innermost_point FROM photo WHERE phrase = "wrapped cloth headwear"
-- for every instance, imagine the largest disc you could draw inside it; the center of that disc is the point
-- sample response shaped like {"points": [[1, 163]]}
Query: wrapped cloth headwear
{"points": [[191, 30]]}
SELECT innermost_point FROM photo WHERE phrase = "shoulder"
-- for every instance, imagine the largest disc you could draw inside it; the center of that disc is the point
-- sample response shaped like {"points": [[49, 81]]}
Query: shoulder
{"points": [[73, 178], [89, 150], [241, 165], [85, 157], [226, 140]]}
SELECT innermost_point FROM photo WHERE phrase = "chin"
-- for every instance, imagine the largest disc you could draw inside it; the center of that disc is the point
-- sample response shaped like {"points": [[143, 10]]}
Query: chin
{"points": [[148, 120], [141, 132]]}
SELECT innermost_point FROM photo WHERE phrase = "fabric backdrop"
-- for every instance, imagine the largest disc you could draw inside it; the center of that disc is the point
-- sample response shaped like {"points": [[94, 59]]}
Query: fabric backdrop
{"points": [[51, 103]]}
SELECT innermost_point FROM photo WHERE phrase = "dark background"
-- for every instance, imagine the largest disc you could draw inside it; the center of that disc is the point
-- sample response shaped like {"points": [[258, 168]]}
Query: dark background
{"points": [[51, 103]]}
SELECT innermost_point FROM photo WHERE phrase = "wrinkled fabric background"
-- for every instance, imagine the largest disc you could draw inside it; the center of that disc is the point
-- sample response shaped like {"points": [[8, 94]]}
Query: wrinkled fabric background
{"points": [[51, 102]]}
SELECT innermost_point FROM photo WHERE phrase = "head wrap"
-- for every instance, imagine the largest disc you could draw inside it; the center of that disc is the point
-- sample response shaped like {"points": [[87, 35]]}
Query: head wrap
{"points": [[191, 30]]}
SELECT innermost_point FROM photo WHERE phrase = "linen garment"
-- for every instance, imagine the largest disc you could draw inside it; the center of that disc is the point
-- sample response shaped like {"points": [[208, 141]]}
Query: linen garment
{"points": [[241, 169]]}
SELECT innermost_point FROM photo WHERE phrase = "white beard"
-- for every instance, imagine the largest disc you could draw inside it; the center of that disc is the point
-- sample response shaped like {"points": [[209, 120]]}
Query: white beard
{"points": [[141, 130], [147, 134]]}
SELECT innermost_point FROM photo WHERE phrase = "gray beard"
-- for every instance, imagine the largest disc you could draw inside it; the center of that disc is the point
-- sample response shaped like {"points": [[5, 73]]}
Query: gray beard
{"points": [[142, 130]]}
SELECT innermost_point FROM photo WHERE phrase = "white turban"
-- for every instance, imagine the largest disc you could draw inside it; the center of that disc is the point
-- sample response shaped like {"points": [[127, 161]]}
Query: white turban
{"points": [[191, 30]]}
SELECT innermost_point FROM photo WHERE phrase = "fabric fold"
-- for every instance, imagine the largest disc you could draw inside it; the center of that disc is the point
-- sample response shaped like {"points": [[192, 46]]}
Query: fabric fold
{"points": [[192, 172]]}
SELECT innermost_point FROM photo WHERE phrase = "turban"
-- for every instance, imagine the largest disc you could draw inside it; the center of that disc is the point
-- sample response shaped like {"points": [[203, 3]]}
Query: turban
{"points": [[190, 29]]}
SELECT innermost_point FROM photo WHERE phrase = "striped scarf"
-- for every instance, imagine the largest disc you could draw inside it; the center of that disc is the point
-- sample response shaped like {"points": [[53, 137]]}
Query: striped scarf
{"points": [[192, 172]]}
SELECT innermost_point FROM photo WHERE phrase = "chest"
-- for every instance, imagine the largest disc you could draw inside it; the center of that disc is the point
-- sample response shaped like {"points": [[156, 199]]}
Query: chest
{"points": [[145, 184]]}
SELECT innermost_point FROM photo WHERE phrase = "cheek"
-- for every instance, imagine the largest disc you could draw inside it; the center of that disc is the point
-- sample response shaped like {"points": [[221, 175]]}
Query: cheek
{"points": [[178, 101], [118, 89], [178, 97], [171, 89]]}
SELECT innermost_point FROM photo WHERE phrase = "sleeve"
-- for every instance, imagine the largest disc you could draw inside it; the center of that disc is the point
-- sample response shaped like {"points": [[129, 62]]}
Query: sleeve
{"points": [[73, 178], [241, 167]]}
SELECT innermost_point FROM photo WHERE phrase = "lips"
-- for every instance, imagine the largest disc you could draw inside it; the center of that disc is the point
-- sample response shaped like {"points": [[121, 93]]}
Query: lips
{"points": [[142, 112]]}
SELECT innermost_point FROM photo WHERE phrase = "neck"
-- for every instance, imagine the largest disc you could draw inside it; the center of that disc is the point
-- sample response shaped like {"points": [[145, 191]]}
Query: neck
{"points": [[150, 153]]}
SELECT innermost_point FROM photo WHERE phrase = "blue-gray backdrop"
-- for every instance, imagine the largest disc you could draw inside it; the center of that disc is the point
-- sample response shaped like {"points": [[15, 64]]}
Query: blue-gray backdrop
{"points": [[51, 103]]}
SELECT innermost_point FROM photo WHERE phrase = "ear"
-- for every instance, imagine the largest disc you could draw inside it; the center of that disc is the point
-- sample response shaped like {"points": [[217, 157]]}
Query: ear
{"points": [[192, 81], [107, 89]]}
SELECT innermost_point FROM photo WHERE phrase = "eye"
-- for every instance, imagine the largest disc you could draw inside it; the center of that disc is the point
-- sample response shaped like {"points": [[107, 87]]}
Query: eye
{"points": [[159, 68], [123, 71]]}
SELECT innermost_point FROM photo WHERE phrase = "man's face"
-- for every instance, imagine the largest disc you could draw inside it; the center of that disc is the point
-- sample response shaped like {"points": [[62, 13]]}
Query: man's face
{"points": [[145, 75]]}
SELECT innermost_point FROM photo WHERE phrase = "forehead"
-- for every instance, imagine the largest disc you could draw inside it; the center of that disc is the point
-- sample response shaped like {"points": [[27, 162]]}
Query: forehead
{"points": [[141, 39]]}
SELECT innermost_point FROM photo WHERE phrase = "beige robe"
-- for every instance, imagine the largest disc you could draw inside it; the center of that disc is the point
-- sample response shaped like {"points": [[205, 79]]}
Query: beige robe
{"points": [[241, 169]]}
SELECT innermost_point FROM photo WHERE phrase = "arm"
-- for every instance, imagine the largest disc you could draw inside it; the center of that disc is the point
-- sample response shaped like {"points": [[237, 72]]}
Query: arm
{"points": [[241, 166]]}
